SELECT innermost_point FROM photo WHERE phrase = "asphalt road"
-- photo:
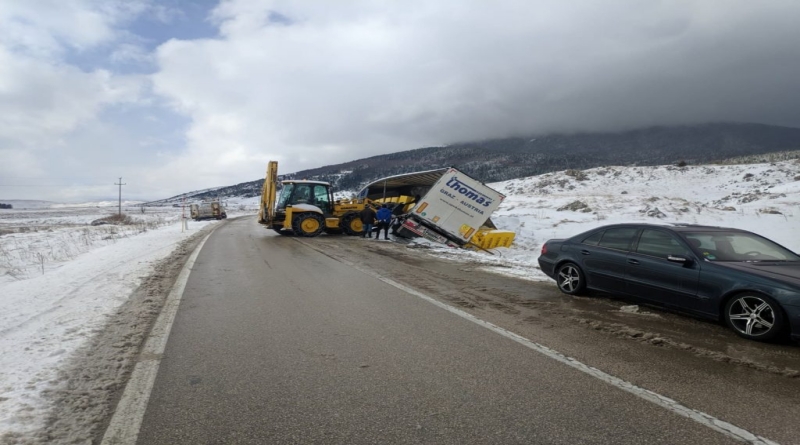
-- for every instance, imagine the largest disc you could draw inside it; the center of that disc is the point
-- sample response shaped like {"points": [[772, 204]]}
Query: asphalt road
{"points": [[278, 341]]}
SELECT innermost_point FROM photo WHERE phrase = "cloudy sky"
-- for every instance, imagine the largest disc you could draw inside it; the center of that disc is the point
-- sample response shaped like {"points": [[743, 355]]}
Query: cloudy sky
{"points": [[179, 95]]}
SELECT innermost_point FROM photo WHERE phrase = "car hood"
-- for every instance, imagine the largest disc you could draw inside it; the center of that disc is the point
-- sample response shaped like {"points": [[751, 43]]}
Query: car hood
{"points": [[788, 272]]}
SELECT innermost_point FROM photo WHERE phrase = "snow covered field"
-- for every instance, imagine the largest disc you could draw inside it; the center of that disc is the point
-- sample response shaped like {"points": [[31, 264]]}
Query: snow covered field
{"points": [[37, 240], [61, 278]]}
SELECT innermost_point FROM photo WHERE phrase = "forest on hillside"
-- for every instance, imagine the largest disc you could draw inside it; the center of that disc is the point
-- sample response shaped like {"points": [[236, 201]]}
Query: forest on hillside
{"points": [[502, 159]]}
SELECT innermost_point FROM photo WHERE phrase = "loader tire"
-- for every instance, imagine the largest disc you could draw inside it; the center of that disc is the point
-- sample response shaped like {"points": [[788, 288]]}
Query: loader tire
{"points": [[279, 230], [351, 224], [308, 224]]}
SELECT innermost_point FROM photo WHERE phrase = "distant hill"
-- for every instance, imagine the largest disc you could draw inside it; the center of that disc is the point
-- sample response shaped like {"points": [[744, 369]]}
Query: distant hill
{"points": [[28, 204], [502, 159]]}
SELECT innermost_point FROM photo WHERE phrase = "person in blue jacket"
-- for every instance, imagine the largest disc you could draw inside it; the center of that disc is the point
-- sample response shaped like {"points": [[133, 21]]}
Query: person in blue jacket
{"points": [[384, 221]]}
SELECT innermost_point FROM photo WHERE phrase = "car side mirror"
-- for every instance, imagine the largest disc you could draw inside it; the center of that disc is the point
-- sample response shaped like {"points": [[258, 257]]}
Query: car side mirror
{"points": [[686, 261]]}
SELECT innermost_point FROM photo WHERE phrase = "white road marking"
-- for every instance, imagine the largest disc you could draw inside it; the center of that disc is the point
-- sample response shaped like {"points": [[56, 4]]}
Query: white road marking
{"points": [[700, 417], [127, 419]]}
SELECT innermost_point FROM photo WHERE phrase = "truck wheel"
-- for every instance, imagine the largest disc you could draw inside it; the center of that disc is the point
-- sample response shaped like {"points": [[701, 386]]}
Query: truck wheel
{"points": [[308, 224], [351, 224]]}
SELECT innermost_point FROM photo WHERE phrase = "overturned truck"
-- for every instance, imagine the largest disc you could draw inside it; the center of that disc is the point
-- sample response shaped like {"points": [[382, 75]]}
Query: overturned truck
{"points": [[444, 205]]}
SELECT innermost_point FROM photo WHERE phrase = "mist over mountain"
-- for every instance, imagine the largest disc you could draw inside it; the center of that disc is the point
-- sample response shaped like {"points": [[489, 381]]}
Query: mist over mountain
{"points": [[502, 159]]}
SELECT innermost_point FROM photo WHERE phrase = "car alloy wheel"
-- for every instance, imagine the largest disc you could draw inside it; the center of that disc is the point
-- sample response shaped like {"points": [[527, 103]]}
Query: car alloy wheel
{"points": [[570, 279], [754, 316]]}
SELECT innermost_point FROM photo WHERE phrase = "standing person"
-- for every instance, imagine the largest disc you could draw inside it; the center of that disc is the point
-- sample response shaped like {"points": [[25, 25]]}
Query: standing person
{"points": [[384, 220], [367, 219]]}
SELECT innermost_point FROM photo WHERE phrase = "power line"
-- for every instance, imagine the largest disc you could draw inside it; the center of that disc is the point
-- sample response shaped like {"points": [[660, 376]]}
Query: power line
{"points": [[47, 185]]}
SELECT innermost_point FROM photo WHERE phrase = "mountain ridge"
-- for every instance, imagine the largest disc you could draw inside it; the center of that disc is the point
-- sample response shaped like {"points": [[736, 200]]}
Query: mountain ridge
{"points": [[501, 159]]}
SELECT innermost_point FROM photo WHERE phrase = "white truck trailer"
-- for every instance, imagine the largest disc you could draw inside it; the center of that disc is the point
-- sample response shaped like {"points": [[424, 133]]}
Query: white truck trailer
{"points": [[453, 210]]}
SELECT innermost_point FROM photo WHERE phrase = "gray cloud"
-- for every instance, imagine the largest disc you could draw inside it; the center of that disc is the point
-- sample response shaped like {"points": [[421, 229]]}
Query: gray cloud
{"points": [[313, 83], [340, 83]]}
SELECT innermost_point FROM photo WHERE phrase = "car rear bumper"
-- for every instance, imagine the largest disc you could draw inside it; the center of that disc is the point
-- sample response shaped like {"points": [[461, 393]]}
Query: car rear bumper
{"points": [[547, 266]]}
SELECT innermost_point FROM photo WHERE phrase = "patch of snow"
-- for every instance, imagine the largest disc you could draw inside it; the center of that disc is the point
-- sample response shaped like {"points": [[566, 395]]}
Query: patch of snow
{"points": [[631, 309]]}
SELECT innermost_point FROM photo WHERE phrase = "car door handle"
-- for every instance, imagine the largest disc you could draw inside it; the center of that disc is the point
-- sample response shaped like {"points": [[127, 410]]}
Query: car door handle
{"points": [[585, 252], [634, 262]]}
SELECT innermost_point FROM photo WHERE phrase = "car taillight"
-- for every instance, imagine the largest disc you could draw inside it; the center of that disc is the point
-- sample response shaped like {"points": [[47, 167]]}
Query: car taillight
{"points": [[544, 249]]}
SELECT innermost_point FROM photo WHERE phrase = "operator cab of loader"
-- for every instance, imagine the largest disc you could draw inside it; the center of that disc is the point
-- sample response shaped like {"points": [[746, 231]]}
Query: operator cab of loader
{"points": [[305, 192]]}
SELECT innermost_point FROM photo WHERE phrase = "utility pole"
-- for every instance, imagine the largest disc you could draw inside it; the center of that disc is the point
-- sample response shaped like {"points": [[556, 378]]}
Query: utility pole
{"points": [[120, 195], [184, 223]]}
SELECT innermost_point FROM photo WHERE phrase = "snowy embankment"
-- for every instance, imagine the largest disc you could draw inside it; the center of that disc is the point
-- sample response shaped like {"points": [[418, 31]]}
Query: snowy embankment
{"points": [[61, 280]]}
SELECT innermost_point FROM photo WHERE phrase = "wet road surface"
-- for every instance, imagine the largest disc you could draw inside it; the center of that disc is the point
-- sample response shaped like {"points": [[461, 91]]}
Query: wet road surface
{"points": [[285, 340]]}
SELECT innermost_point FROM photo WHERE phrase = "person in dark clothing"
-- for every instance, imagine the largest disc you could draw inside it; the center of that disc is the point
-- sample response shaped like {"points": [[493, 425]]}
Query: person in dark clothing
{"points": [[367, 220], [384, 220]]}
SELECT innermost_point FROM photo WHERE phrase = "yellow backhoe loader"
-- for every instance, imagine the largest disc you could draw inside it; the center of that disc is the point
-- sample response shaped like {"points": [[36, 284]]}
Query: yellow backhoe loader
{"points": [[306, 208]]}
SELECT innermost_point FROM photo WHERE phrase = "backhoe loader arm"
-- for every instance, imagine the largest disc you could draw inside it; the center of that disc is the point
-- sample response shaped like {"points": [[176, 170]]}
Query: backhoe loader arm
{"points": [[266, 212]]}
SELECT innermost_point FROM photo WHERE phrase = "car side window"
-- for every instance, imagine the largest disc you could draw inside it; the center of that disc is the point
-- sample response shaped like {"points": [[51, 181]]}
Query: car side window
{"points": [[593, 239], [618, 238], [659, 244]]}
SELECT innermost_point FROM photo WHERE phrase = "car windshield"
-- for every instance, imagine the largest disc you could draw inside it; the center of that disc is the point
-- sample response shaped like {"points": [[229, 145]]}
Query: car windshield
{"points": [[738, 246]]}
